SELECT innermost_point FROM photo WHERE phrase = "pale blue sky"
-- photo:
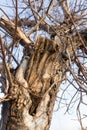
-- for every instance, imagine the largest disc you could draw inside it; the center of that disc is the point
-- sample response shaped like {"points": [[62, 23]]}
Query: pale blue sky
{"points": [[63, 121]]}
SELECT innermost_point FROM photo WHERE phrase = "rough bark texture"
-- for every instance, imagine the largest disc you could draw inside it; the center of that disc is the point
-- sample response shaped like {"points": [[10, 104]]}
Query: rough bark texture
{"points": [[31, 88], [34, 84], [34, 89]]}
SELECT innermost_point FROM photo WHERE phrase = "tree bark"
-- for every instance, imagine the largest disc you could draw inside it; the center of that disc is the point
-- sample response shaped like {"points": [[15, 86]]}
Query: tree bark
{"points": [[34, 89], [34, 85]]}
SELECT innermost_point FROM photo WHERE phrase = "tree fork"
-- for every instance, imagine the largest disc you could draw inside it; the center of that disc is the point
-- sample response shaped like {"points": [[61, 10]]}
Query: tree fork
{"points": [[36, 84]]}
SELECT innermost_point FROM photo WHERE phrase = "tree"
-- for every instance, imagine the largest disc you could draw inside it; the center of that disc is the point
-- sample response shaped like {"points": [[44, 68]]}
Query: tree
{"points": [[31, 87]]}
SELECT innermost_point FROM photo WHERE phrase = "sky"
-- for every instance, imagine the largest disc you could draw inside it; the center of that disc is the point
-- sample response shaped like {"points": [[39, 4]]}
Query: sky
{"points": [[68, 120], [60, 121]]}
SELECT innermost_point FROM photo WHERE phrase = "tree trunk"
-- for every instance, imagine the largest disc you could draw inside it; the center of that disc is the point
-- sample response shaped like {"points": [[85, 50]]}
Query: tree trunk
{"points": [[34, 88]]}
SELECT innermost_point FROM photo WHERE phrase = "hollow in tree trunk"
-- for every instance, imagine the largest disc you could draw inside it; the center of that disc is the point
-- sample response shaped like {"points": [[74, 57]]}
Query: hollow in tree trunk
{"points": [[34, 88]]}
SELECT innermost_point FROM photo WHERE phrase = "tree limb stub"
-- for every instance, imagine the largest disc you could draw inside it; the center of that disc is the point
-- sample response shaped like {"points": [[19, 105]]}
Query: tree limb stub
{"points": [[41, 65], [21, 72], [9, 27]]}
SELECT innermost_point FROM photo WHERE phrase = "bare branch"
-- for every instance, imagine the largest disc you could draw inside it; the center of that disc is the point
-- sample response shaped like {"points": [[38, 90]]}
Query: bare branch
{"points": [[9, 27]]}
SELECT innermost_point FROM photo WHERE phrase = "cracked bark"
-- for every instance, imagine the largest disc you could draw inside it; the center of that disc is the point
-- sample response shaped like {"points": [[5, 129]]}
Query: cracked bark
{"points": [[35, 84], [31, 106]]}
